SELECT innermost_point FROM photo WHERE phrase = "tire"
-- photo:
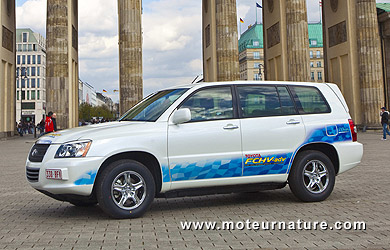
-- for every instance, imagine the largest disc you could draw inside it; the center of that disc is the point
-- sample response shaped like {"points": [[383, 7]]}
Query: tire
{"points": [[312, 177], [125, 189]]}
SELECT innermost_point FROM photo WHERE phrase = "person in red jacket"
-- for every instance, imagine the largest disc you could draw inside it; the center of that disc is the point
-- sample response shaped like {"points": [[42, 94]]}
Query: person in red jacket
{"points": [[49, 126]]}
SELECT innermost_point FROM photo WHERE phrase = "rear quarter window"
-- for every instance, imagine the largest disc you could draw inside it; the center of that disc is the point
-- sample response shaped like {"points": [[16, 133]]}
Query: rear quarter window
{"points": [[309, 100]]}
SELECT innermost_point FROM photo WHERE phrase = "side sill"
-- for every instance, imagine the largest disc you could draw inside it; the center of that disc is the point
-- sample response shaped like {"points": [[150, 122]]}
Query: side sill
{"points": [[222, 190]]}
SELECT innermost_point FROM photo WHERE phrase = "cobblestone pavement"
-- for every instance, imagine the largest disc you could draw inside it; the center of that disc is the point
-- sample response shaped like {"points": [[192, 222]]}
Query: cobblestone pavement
{"points": [[29, 219]]}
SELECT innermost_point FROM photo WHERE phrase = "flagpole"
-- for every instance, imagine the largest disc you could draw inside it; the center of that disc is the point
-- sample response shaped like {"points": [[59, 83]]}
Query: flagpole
{"points": [[320, 12], [256, 15]]}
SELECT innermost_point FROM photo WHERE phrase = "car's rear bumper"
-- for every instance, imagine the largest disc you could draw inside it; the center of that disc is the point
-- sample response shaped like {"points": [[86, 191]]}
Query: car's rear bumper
{"points": [[350, 155]]}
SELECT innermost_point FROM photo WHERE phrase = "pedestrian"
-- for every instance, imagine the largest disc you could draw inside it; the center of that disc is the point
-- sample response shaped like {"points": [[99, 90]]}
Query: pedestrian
{"points": [[25, 127], [20, 128], [54, 119], [49, 127], [42, 126], [384, 122]]}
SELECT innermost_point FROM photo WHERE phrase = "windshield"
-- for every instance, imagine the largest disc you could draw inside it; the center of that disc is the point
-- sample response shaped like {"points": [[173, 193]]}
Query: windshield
{"points": [[152, 107]]}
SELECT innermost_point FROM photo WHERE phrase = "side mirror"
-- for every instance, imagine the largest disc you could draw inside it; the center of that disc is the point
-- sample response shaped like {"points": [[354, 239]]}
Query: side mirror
{"points": [[181, 116]]}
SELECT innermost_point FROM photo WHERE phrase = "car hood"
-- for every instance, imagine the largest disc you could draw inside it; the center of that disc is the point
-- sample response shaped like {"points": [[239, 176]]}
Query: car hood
{"points": [[85, 132]]}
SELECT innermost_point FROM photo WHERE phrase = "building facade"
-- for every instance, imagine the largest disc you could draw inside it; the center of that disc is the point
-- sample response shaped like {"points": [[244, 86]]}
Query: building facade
{"points": [[251, 53], [103, 100], [88, 94], [30, 76]]}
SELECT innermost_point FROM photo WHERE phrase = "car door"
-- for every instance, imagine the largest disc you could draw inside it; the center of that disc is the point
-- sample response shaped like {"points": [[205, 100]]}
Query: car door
{"points": [[271, 129], [209, 145]]}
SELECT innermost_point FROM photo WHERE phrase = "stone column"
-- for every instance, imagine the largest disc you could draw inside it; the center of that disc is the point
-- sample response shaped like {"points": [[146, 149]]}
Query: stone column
{"points": [[384, 31], [7, 68], [370, 61], [130, 53], [297, 41], [220, 41], [286, 40], [62, 62], [227, 40]]}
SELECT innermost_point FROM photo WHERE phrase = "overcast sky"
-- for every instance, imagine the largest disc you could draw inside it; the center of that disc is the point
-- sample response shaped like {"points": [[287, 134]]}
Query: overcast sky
{"points": [[172, 49]]}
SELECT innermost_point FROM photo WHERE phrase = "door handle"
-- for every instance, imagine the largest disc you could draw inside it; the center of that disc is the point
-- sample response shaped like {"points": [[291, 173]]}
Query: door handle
{"points": [[292, 122], [230, 127]]}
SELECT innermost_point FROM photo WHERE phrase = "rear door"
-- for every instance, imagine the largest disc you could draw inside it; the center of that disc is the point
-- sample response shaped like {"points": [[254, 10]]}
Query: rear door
{"points": [[271, 128], [322, 124]]}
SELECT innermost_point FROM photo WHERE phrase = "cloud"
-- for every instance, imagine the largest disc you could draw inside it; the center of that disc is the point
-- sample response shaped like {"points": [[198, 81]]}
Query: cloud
{"points": [[172, 43], [196, 65], [97, 47], [32, 15], [171, 24], [98, 17], [242, 10]]}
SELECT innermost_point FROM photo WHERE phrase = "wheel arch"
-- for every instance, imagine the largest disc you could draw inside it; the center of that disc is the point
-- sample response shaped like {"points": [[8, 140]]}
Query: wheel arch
{"points": [[147, 159], [327, 149]]}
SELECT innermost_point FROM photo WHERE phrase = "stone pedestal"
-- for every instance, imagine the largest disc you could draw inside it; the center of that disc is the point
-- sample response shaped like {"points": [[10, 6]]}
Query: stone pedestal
{"points": [[220, 41], [130, 53], [7, 68], [370, 61], [286, 46], [62, 62]]}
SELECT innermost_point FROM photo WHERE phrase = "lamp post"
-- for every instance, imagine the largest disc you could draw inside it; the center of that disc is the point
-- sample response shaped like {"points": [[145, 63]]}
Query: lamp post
{"points": [[23, 76]]}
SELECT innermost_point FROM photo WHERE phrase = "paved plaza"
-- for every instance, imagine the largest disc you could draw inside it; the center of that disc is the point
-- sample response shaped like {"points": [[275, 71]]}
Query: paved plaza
{"points": [[29, 219]]}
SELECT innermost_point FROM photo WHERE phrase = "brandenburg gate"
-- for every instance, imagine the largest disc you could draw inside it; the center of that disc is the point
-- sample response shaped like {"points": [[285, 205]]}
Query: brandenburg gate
{"points": [[352, 53]]}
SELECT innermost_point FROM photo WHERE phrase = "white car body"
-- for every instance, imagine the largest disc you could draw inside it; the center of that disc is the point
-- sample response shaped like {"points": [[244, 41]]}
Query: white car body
{"points": [[202, 154]]}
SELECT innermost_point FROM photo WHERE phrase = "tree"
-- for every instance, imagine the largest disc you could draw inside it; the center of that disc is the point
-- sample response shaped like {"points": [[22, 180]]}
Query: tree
{"points": [[87, 111]]}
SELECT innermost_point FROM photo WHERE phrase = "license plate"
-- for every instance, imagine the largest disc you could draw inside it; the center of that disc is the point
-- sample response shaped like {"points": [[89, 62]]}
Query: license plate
{"points": [[55, 174]]}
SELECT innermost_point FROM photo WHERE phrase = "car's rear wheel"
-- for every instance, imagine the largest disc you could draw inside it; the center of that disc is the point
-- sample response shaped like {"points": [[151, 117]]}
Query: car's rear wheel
{"points": [[125, 189], [312, 177]]}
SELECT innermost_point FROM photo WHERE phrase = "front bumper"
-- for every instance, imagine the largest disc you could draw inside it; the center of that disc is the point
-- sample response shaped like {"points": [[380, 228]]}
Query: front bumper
{"points": [[79, 174]]}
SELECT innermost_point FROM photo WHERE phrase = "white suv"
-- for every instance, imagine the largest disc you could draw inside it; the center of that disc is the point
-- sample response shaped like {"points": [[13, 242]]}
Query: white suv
{"points": [[201, 139]]}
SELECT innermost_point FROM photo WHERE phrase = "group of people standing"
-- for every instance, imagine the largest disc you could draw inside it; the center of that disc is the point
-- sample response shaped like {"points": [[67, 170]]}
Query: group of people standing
{"points": [[25, 128], [46, 125]]}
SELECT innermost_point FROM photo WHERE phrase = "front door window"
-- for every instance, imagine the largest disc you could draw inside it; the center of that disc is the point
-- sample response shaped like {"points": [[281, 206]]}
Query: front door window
{"points": [[211, 104]]}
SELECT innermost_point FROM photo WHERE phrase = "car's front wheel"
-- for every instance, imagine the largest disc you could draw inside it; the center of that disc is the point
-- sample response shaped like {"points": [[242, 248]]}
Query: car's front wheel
{"points": [[312, 176], [125, 189]]}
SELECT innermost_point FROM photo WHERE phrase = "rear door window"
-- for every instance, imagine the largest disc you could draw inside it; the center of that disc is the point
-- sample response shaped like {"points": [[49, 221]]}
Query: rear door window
{"points": [[259, 101], [262, 101], [309, 100]]}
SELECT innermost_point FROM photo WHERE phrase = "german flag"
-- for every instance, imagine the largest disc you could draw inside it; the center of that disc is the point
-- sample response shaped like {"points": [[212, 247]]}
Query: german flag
{"points": [[242, 21]]}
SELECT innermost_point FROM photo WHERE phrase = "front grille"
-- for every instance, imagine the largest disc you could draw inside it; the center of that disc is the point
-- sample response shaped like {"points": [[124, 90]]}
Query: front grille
{"points": [[32, 174], [38, 152]]}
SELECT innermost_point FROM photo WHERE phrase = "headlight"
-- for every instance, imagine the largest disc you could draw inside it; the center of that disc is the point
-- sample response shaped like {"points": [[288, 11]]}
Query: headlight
{"points": [[73, 149]]}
